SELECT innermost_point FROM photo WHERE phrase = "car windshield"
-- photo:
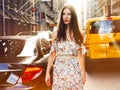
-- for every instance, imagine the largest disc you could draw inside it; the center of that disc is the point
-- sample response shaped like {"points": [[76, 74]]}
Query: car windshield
{"points": [[42, 34], [17, 47], [28, 49], [103, 27]]}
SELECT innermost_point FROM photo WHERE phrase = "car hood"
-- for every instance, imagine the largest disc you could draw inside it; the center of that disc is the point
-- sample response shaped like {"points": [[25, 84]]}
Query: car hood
{"points": [[18, 49]]}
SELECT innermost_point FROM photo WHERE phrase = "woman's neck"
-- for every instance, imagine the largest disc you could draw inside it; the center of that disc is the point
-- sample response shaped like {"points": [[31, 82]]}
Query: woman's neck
{"points": [[69, 35]]}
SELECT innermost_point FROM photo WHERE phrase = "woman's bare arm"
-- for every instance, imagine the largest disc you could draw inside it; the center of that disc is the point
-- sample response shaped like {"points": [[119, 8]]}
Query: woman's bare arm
{"points": [[54, 35], [53, 54], [50, 61], [82, 65]]}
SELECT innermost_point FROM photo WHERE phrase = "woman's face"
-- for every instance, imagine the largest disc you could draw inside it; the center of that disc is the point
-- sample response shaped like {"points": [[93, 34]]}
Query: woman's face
{"points": [[66, 16]]}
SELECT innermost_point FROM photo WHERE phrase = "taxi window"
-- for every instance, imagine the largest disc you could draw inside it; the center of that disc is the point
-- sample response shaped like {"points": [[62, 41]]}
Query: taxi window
{"points": [[103, 27]]}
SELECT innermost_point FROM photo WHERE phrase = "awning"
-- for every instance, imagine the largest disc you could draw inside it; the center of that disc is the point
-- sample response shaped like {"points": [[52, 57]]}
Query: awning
{"points": [[48, 20], [30, 19], [24, 18], [17, 16], [6, 17], [11, 15], [45, 0]]}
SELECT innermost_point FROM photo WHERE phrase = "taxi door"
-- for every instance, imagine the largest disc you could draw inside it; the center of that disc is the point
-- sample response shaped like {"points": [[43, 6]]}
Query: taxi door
{"points": [[103, 39]]}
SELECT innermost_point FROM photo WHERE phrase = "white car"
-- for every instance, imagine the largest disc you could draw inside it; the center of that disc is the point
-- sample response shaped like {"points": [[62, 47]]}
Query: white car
{"points": [[42, 34]]}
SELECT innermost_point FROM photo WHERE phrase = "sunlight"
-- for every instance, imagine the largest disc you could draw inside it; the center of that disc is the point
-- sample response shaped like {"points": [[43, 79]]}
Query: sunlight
{"points": [[114, 42], [78, 4]]}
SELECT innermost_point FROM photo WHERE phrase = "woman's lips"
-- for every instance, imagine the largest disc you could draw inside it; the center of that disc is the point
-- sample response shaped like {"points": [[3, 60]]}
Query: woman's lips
{"points": [[66, 20]]}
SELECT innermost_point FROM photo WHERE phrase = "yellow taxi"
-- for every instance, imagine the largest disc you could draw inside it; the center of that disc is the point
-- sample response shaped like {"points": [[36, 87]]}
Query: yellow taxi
{"points": [[102, 38]]}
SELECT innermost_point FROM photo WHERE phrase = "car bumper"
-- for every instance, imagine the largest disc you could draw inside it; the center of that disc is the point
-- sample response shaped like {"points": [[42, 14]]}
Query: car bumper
{"points": [[17, 87]]}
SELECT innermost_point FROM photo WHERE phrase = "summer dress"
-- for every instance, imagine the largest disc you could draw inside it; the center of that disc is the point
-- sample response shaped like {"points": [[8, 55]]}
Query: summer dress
{"points": [[66, 69]]}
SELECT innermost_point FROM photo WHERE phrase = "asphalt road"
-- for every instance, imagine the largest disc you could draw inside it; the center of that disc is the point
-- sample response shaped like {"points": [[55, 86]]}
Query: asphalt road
{"points": [[103, 76]]}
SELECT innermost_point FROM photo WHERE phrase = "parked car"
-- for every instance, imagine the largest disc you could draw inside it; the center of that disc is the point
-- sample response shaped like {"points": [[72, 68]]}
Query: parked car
{"points": [[43, 34], [23, 61], [102, 39]]}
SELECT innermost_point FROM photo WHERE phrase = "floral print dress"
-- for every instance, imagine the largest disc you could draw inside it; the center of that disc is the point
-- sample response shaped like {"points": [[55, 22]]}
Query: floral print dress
{"points": [[66, 69]]}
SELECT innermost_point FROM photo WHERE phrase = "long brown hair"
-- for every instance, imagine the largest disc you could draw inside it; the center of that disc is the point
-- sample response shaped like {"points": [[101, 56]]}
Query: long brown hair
{"points": [[74, 27]]}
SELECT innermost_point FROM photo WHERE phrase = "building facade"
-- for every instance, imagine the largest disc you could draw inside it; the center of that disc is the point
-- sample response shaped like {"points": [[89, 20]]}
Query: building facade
{"points": [[15, 16], [28, 15], [115, 7], [96, 8]]}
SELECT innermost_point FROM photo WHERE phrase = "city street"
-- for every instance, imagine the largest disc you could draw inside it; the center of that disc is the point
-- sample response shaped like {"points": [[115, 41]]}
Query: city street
{"points": [[103, 76], [26, 28]]}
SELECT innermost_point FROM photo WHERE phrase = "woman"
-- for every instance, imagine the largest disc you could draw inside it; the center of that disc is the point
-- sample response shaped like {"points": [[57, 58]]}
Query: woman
{"points": [[67, 54]]}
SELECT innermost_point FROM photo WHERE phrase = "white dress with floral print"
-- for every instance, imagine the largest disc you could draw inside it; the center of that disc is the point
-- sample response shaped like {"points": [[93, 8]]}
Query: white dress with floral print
{"points": [[66, 69]]}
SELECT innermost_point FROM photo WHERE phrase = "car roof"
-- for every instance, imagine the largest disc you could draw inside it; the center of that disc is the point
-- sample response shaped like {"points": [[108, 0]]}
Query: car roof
{"points": [[103, 18]]}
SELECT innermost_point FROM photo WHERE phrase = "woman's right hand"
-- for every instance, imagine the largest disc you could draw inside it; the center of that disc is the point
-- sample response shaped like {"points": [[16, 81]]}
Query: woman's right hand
{"points": [[48, 79], [83, 79]]}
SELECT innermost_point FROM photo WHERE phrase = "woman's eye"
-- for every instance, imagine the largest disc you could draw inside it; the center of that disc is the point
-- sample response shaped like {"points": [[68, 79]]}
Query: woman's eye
{"points": [[63, 13], [66, 13]]}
